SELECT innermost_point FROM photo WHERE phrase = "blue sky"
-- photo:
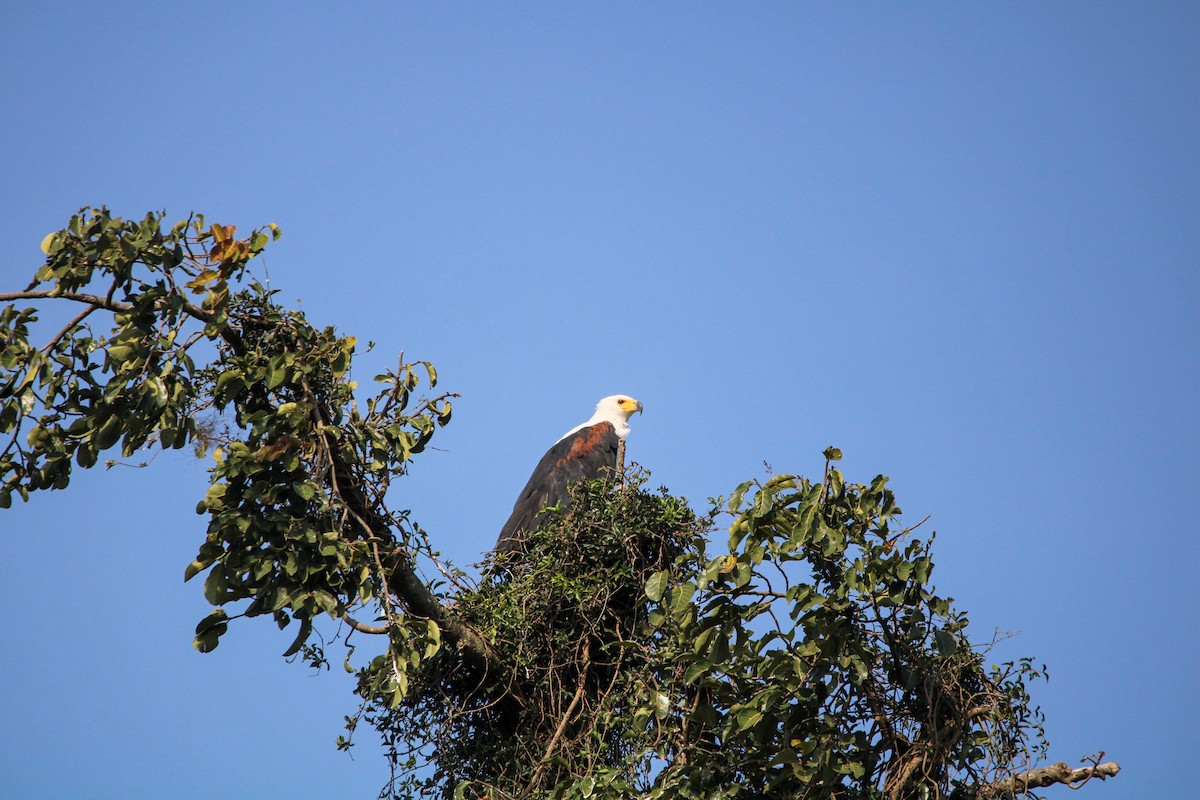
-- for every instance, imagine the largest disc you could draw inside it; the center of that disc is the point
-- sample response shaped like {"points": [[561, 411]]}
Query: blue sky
{"points": [[958, 241]]}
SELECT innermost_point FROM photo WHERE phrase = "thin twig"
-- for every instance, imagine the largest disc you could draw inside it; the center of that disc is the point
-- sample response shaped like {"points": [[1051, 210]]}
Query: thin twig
{"points": [[362, 627], [562, 725], [58, 337]]}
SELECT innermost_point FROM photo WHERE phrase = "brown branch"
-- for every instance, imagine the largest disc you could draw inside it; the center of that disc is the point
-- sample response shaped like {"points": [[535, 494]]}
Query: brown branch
{"points": [[404, 582], [1046, 776], [979, 711], [79, 297], [362, 627], [108, 304], [566, 718], [96, 300], [402, 579], [80, 317]]}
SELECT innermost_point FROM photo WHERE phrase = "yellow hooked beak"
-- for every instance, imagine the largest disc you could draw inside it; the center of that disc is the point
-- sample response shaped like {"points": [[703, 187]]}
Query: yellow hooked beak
{"points": [[630, 406]]}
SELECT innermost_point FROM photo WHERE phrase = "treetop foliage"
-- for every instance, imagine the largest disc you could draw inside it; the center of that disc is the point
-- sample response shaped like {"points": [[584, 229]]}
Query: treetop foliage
{"points": [[619, 655]]}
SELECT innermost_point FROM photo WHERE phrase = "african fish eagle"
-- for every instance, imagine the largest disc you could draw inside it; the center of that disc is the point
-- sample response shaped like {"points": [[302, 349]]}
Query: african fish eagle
{"points": [[583, 453]]}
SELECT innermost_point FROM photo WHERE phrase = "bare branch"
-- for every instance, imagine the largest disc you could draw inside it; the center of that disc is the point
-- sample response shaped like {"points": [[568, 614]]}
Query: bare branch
{"points": [[108, 304], [67, 328], [362, 627], [1046, 776], [402, 579], [566, 718], [621, 461], [96, 300]]}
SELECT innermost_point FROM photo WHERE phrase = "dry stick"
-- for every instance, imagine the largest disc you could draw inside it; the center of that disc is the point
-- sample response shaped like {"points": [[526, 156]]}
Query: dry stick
{"points": [[70, 325], [562, 725], [362, 627], [621, 462]]}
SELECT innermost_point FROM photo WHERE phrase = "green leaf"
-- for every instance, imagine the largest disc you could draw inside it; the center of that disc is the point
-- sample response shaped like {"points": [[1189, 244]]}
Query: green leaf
{"points": [[276, 376], [225, 378], [301, 638], [946, 643], [735, 499], [108, 434], [662, 705], [762, 504], [748, 717], [194, 569], [719, 652], [682, 598], [213, 498], [157, 391], [85, 456], [215, 586], [209, 631], [434, 635], [655, 586], [696, 670], [836, 483]]}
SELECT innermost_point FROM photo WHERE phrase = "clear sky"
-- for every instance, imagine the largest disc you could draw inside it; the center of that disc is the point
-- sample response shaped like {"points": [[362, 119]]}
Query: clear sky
{"points": [[961, 242]]}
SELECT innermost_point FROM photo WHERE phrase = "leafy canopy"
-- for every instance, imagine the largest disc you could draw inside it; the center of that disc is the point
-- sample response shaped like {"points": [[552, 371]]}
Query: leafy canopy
{"points": [[808, 657]]}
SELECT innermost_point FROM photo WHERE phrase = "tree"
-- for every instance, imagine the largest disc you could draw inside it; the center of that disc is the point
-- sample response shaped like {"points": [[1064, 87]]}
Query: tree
{"points": [[808, 658]]}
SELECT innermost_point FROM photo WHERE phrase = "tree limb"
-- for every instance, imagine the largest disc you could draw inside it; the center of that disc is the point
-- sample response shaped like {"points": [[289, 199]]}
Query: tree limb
{"points": [[1046, 776], [80, 317], [108, 304], [363, 627], [96, 300], [404, 582], [562, 725], [401, 576], [621, 461], [402, 579]]}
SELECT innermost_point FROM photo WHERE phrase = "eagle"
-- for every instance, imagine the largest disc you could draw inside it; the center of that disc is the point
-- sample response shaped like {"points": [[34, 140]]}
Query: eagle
{"points": [[583, 453]]}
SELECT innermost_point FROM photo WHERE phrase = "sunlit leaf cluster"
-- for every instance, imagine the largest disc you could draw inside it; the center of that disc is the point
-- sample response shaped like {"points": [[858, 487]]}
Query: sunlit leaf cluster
{"points": [[176, 343], [813, 659]]}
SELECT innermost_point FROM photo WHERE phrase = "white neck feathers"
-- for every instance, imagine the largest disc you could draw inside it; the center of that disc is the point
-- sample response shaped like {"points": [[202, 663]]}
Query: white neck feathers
{"points": [[607, 410]]}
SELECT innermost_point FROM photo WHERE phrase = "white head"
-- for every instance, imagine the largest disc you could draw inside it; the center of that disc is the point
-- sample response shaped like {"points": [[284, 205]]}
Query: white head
{"points": [[617, 409]]}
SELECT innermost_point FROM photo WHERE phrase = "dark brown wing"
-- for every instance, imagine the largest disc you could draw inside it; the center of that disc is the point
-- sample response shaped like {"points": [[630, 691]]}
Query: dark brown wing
{"points": [[583, 455]]}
